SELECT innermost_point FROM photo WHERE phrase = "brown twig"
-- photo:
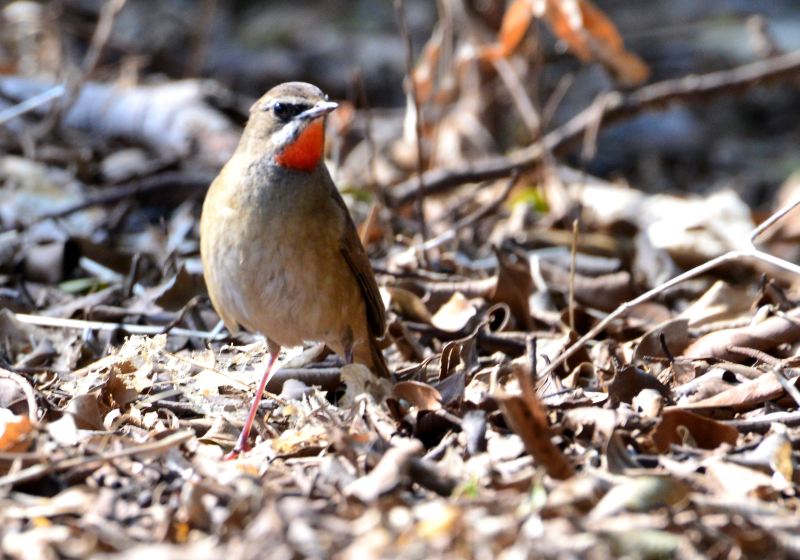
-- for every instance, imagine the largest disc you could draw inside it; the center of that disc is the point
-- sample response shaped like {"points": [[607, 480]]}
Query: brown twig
{"points": [[100, 37], [523, 103], [62, 323], [616, 107], [35, 472], [369, 138], [420, 189], [469, 220], [131, 189], [573, 254]]}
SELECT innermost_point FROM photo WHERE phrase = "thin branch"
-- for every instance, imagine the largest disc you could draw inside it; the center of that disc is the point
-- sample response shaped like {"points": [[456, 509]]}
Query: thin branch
{"points": [[467, 221], [32, 103], [80, 324], [617, 106], [764, 423], [108, 195], [573, 253], [100, 37], [35, 472], [766, 224], [420, 189], [102, 33], [519, 96], [749, 252]]}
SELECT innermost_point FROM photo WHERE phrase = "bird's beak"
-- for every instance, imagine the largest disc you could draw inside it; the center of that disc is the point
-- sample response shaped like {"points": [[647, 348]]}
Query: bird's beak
{"points": [[321, 109]]}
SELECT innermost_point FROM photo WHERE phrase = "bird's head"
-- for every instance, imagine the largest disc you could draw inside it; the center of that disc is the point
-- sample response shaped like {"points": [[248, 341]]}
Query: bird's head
{"points": [[288, 123]]}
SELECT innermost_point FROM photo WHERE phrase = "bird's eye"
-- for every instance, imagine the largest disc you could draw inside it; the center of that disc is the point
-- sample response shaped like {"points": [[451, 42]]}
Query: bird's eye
{"points": [[283, 111], [287, 111]]}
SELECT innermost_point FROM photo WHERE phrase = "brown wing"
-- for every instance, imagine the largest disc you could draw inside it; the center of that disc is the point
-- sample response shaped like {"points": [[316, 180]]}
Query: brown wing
{"points": [[356, 257]]}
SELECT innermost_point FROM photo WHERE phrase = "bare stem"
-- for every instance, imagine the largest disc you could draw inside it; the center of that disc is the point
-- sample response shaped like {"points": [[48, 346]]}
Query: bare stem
{"points": [[400, 8]]}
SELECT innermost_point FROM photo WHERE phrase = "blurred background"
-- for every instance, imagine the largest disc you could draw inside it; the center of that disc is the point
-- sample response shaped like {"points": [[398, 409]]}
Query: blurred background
{"points": [[354, 50]]}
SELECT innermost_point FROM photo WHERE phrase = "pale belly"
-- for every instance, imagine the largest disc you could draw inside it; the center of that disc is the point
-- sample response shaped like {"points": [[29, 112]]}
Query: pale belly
{"points": [[300, 289]]}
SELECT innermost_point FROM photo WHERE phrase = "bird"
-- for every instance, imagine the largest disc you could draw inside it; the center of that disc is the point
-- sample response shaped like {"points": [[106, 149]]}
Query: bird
{"points": [[281, 254]]}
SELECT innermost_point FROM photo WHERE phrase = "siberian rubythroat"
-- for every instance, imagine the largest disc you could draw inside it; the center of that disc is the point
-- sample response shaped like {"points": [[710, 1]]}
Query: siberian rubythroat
{"points": [[281, 255]]}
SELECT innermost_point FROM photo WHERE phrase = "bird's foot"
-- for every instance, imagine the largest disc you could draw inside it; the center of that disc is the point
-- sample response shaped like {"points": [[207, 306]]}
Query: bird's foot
{"points": [[241, 447]]}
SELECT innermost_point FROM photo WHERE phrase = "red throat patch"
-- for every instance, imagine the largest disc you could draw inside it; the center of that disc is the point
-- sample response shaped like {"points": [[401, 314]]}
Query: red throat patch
{"points": [[305, 153]]}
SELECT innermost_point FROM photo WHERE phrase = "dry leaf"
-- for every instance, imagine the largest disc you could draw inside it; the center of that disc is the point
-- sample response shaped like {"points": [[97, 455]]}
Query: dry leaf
{"points": [[629, 381], [739, 481], [744, 396], [516, 21], [454, 315], [590, 35], [421, 395], [294, 442], [408, 305], [390, 473], [641, 493], [13, 429], [706, 433], [763, 336], [514, 287], [528, 418], [586, 30]]}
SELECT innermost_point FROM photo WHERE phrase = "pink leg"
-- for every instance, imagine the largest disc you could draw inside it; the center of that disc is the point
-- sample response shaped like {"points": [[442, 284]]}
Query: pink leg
{"points": [[241, 443]]}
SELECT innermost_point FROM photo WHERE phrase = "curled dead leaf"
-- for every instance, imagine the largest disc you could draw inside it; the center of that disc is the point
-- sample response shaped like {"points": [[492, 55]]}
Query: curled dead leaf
{"points": [[588, 33]]}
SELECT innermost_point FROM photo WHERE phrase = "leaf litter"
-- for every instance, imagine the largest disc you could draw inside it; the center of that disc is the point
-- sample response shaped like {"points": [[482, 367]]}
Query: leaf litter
{"points": [[672, 432]]}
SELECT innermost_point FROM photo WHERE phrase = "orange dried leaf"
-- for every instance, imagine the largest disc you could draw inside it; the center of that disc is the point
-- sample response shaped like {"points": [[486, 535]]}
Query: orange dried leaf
{"points": [[567, 27], [13, 429], [591, 35], [599, 26], [426, 67], [516, 22]]}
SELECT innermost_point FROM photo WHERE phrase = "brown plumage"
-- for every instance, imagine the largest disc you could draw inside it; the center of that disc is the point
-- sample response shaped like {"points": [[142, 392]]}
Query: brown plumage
{"points": [[281, 254]]}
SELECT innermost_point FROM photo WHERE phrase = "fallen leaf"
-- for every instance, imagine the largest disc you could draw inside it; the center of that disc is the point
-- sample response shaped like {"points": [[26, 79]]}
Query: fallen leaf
{"points": [[454, 315], [744, 396], [391, 472], [641, 493], [13, 429], [408, 305], [738, 480], [421, 395], [629, 381], [514, 287], [528, 418], [706, 433]]}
